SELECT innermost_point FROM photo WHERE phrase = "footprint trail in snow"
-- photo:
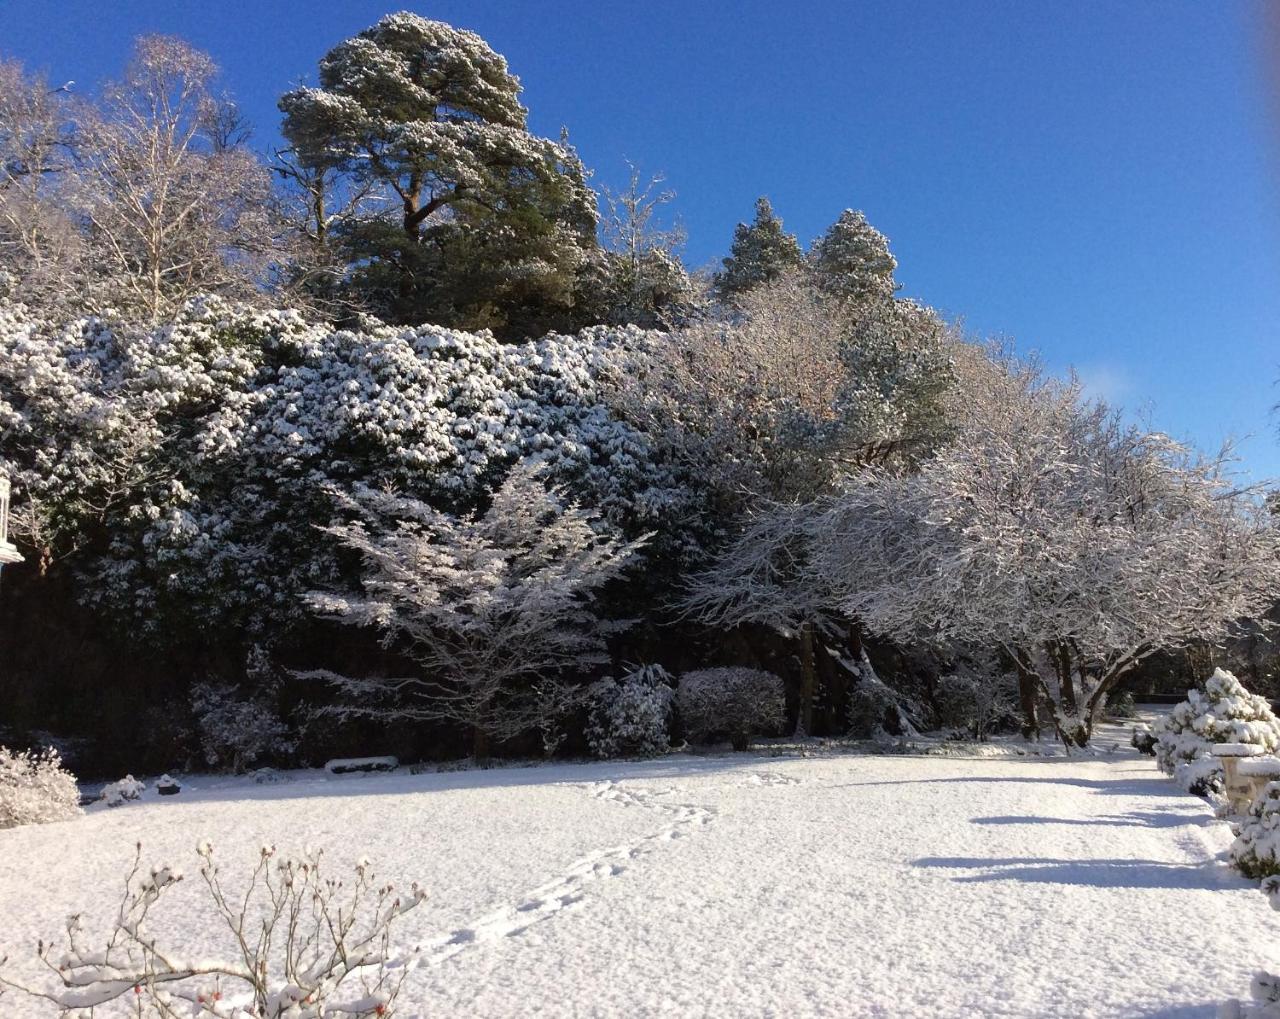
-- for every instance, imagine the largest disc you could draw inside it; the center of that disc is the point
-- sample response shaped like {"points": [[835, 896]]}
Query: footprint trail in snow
{"points": [[568, 890]]}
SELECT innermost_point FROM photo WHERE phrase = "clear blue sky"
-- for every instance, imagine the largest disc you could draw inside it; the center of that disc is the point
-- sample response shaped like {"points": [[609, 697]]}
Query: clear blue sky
{"points": [[1095, 180]]}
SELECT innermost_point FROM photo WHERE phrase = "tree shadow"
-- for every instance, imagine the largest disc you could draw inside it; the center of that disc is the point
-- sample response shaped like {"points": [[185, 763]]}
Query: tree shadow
{"points": [[1132, 819], [1097, 873]]}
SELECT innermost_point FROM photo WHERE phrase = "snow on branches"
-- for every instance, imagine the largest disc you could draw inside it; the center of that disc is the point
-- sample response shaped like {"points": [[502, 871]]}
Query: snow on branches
{"points": [[485, 604], [34, 788], [304, 946], [1050, 530]]}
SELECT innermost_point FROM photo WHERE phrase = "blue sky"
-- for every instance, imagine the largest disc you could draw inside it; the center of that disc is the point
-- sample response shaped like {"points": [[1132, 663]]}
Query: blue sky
{"points": [[1094, 180]]}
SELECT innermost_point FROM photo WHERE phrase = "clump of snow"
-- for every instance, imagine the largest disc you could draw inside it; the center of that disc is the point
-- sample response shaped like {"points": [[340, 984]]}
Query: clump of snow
{"points": [[732, 702], [631, 716], [1224, 713], [34, 787], [1236, 750], [116, 793]]}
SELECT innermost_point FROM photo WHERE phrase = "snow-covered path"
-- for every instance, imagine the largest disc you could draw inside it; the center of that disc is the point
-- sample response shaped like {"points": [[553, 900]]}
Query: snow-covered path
{"points": [[733, 886]]}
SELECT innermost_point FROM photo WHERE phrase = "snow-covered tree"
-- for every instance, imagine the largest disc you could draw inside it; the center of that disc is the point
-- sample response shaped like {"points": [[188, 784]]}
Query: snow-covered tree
{"points": [[761, 251], [731, 702], [174, 210], [852, 259], [428, 117], [767, 410], [34, 788], [1051, 531], [631, 716], [1224, 712], [636, 277], [485, 604]]}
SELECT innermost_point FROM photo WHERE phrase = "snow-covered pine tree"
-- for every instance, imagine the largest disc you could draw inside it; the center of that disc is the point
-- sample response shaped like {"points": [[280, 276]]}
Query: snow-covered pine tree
{"points": [[426, 120], [761, 251], [1224, 712], [852, 259]]}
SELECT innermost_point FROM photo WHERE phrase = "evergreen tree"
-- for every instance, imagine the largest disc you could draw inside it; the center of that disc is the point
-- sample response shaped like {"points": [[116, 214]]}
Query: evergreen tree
{"points": [[473, 219], [852, 259], [761, 252]]}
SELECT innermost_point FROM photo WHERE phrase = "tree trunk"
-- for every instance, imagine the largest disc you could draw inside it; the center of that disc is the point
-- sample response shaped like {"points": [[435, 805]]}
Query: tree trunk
{"points": [[808, 682], [479, 744], [1028, 698]]}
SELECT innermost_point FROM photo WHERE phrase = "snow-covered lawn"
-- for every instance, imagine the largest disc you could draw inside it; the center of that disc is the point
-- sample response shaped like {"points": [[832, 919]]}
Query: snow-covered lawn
{"points": [[740, 885]]}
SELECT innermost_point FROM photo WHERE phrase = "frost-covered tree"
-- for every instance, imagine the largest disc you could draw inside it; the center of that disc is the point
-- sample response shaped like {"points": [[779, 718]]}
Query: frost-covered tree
{"points": [[761, 251], [173, 209], [852, 259], [486, 605], [41, 245], [768, 409], [1224, 712], [474, 208], [636, 277], [1051, 531]]}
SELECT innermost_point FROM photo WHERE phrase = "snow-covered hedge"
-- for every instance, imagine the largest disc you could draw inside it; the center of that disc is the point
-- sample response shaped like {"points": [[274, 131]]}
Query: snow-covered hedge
{"points": [[1256, 850], [631, 716], [1225, 712], [34, 787], [732, 702], [209, 444]]}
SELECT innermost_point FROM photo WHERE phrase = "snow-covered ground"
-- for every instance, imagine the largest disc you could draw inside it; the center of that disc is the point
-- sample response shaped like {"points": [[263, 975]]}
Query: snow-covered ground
{"points": [[736, 885]]}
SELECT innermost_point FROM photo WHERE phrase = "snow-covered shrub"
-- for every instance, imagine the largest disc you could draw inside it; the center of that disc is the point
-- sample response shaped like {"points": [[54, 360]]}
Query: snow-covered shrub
{"points": [[735, 702], [1256, 850], [302, 946], [34, 787], [116, 793], [978, 704], [1225, 712], [630, 716], [1143, 740], [234, 731]]}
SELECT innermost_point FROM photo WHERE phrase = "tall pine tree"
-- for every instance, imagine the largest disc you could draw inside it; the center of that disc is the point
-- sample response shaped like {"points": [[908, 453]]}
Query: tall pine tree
{"points": [[761, 251]]}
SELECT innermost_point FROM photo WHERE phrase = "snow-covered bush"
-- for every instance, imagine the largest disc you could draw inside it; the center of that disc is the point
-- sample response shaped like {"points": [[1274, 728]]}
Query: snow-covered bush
{"points": [[735, 702], [34, 787], [1256, 850], [1144, 740], [1225, 712], [978, 704], [302, 946], [236, 731], [115, 794], [630, 716]]}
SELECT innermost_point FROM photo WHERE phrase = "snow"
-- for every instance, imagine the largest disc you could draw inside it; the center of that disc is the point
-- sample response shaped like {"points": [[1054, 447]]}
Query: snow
{"points": [[744, 885]]}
